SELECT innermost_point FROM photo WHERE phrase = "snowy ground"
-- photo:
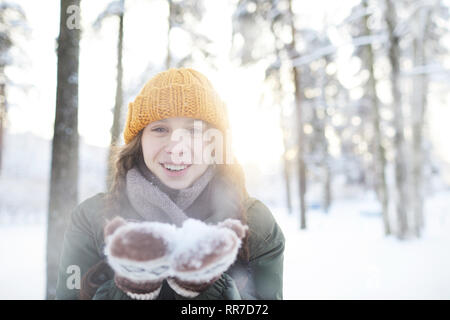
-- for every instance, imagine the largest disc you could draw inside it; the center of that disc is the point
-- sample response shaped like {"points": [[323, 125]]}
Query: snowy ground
{"points": [[342, 255]]}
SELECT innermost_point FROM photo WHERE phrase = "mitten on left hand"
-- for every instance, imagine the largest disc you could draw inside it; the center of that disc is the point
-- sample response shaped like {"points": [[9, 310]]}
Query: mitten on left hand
{"points": [[202, 253]]}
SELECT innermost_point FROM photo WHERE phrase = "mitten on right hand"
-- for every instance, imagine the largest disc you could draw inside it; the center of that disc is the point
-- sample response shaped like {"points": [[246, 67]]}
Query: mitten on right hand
{"points": [[203, 253]]}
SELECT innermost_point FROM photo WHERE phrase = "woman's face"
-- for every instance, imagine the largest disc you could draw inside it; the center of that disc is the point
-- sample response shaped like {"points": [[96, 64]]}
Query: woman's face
{"points": [[170, 157]]}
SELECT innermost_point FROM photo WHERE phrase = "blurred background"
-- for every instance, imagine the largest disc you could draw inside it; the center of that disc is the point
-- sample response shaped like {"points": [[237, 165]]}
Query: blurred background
{"points": [[339, 113]]}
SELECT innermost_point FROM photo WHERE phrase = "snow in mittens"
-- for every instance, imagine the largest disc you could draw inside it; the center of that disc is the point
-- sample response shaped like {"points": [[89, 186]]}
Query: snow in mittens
{"points": [[196, 240]]}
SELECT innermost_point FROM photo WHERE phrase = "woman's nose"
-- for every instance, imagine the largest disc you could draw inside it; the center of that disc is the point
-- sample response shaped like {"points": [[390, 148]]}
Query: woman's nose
{"points": [[178, 148]]}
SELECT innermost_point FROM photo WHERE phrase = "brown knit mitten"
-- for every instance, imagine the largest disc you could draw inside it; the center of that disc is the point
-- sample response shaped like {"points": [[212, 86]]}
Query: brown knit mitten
{"points": [[202, 253], [139, 253], [94, 278]]}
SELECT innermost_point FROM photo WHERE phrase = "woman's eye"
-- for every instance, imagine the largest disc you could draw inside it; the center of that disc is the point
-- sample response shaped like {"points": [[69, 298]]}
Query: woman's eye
{"points": [[159, 129]]}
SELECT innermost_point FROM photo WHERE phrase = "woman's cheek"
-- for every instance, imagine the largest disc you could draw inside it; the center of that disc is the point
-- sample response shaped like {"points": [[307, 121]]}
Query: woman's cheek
{"points": [[150, 148]]}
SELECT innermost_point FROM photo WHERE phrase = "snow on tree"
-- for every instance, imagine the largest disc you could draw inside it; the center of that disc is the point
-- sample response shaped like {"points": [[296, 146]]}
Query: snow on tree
{"points": [[12, 24]]}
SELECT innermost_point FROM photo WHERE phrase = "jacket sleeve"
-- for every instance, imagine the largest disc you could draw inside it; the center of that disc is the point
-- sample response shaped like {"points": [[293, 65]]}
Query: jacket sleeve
{"points": [[81, 251], [266, 249]]}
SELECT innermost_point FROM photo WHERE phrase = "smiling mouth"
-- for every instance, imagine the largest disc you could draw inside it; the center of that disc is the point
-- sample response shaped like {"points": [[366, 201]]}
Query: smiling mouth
{"points": [[175, 167]]}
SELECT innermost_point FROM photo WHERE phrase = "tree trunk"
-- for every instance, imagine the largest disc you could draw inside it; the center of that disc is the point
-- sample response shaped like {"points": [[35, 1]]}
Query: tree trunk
{"points": [[399, 139], [327, 186], [286, 161], [116, 128], [286, 166], [279, 90], [379, 152], [327, 195], [64, 166], [2, 113], [169, 55], [320, 125], [420, 90], [300, 137], [300, 154]]}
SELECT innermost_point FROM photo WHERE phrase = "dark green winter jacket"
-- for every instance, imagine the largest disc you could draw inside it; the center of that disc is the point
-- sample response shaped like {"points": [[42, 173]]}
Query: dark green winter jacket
{"points": [[259, 278]]}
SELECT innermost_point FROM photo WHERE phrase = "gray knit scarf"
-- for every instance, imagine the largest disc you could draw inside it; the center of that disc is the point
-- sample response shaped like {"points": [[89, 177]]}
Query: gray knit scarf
{"points": [[154, 201]]}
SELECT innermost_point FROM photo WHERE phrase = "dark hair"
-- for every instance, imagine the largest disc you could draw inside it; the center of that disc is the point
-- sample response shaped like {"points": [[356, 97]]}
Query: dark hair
{"points": [[127, 156]]}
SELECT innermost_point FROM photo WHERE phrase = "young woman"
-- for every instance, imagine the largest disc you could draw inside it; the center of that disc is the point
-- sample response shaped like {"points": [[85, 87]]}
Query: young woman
{"points": [[177, 222]]}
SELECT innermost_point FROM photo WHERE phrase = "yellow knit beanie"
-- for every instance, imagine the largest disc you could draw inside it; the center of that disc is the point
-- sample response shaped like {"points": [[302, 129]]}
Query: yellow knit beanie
{"points": [[181, 92]]}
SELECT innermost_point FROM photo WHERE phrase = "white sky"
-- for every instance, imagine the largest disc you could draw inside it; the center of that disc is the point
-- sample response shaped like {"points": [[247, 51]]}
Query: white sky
{"points": [[256, 133]]}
